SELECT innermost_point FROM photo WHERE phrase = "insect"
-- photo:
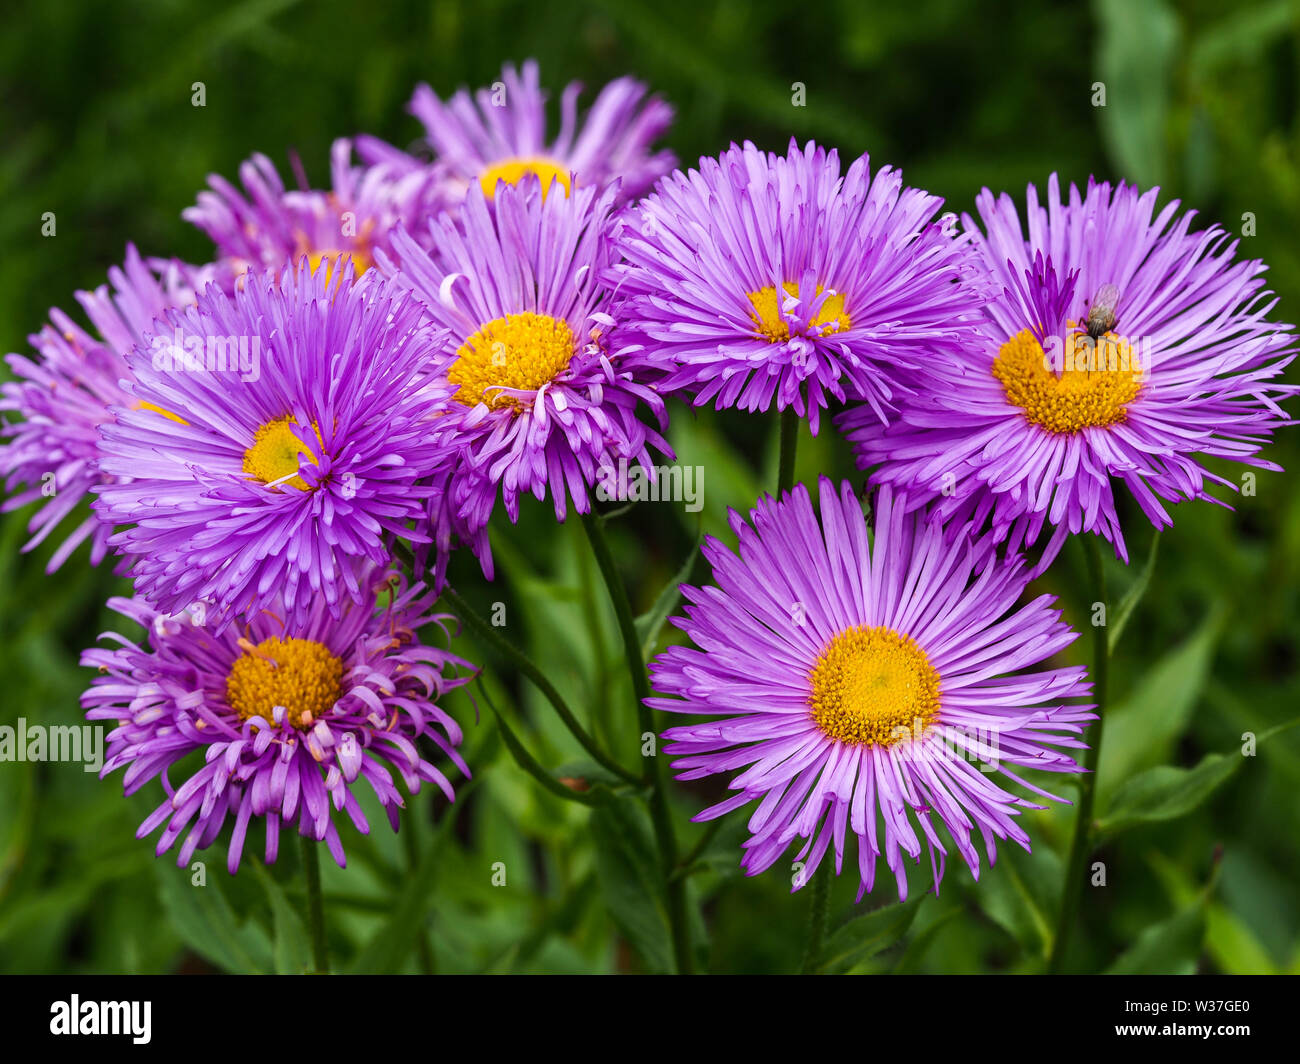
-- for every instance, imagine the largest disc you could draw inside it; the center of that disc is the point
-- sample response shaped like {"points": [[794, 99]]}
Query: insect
{"points": [[1101, 314]]}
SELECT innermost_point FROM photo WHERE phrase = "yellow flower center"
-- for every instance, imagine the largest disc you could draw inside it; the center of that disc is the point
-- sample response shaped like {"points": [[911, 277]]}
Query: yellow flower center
{"points": [[299, 674], [512, 170], [275, 456], [142, 404], [360, 260], [1098, 380], [767, 313], [873, 687], [522, 351]]}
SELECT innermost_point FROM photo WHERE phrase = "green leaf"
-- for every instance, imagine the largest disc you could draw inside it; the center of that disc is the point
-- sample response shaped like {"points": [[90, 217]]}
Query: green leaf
{"points": [[388, 949], [1132, 597], [1242, 37], [1231, 944], [1234, 946], [1167, 792], [920, 943], [530, 764], [650, 623], [1142, 727], [1167, 948], [1021, 893], [292, 948], [1136, 51], [630, 880], [205, 922], [864, 936]]}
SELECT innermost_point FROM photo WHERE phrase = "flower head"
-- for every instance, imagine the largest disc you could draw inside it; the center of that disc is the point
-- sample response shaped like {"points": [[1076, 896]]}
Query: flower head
{"points": [[67, 392], [858, 684], [499, 135], [288, 718], [539, 402], [279, 435], [761, 278], [1124, 347], [269, 227]]}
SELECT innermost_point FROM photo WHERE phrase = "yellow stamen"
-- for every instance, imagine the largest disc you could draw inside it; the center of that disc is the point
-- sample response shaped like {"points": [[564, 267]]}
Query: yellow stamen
{"points": [[299, 674], [330, 256], [142, 404], [521, 351], [770, 324], [873, 687], [512, 170], [1093, 390], [276, 454]]}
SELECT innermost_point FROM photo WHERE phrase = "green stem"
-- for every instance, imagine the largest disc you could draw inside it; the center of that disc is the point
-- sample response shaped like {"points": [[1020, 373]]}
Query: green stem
{"points": [[1076, 863], [315, 905], [660, 815], [687, 864], [527, 762], [818, 907], [789, 440], [423, 943], [525, 665]]}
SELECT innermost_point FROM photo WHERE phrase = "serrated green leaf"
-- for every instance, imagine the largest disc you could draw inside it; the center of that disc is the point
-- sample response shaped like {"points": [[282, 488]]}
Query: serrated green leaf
{"points": [[864, 936]]}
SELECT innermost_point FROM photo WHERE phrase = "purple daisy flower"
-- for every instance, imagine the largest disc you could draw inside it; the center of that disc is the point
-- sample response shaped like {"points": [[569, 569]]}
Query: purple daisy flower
{"points": [[761, 277], [299, 440], [499, 134], [67, 392], [271, 227], [539, 402], [288, 717], [868, 685], [1122, 347]]}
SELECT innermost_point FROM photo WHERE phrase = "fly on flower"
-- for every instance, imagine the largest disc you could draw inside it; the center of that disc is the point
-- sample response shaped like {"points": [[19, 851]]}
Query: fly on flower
{"points": [[1170, 358]]}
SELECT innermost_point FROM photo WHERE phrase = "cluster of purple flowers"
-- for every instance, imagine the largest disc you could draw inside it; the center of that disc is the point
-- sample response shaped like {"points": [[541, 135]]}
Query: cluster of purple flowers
{"points": [[379, 363]]}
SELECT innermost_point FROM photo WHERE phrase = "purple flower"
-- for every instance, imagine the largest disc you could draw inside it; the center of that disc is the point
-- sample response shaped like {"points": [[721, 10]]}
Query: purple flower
{"points": [[287, 717], [299, 439], [762, 277], [869, 686], [65, 394], [269, 227], [539, 402], [1123, 347], [499, 134]]}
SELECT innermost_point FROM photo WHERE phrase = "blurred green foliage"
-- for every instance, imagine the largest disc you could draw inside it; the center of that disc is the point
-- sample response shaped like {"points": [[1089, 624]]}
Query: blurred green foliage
{"points": [[1201, 97]]}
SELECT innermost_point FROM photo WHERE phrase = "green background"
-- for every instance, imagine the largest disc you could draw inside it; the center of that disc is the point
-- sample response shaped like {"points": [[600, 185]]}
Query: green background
{"points": [[97, 126]]}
